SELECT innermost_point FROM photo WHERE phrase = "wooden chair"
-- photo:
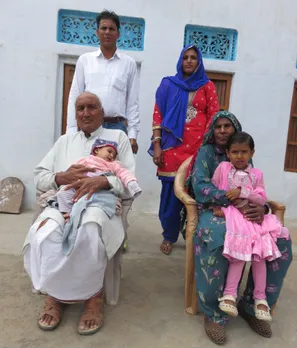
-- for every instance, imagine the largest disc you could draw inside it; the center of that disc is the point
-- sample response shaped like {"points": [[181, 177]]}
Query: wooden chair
{"points": [[191, 297]]}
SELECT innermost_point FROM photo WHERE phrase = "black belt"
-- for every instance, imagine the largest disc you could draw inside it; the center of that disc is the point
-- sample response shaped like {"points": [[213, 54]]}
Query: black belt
{"points": [[116, 119]]}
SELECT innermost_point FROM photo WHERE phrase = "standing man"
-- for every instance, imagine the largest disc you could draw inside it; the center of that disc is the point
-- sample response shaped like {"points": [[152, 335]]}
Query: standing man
{"points": [[110, 75]]}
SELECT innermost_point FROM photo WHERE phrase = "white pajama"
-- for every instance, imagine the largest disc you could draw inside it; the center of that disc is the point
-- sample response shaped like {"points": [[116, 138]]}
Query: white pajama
{"points": [[78, 276]]}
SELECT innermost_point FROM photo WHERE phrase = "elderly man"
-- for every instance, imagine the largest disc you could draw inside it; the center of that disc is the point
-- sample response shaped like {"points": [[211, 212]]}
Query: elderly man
{"points": [[80, 275]]}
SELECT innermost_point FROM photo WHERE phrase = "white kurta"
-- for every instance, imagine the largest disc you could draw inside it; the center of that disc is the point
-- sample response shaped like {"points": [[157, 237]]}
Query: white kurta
{"points": [[81, 274]]}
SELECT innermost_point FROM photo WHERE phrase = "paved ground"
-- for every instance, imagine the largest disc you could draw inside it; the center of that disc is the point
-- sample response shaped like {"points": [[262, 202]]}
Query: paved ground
{"points": [[150, 313]]}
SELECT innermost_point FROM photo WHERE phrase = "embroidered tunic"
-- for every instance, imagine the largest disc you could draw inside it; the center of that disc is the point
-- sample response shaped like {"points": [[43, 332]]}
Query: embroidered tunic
{"points": [[200, 112]]}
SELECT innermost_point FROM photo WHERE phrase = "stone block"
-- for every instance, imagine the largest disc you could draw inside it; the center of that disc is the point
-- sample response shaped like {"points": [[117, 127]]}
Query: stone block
{"points": [[11, 195]]}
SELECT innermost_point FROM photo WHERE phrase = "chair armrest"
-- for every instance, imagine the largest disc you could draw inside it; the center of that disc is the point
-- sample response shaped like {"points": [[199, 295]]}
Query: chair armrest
{"points": [[179, 184], [191, 300], [185, 198], [127, 202], [274, 206], [278, 209]]}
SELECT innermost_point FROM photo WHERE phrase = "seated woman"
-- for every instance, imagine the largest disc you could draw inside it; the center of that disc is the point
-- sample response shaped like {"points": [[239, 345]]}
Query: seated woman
{"points": [[185, 105], [211, 266]]}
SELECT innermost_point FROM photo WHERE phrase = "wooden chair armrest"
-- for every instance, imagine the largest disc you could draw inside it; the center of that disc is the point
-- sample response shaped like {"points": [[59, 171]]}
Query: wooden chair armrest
{"points": [[274, 206], [185, 198], [179, 184], [191, 300]]}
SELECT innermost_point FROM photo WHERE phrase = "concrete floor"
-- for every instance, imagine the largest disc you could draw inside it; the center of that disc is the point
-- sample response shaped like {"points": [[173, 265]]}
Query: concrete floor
{"points": [[150, 312]]}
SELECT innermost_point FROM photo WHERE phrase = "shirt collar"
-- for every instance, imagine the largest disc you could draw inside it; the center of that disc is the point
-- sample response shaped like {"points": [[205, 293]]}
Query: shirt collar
{"points": [[247, 169], [116, 54], [94, 134]]}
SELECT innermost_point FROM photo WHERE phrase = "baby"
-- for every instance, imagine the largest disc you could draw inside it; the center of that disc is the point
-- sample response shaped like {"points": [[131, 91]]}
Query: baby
{"points": [[102, 159]]}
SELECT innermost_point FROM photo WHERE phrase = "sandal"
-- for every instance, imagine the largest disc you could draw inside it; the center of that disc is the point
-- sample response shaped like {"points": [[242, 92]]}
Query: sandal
{"points": [[228, 308], [261, 327], [260, 313], [215, 331], [53, 309], [93, 311], [166, 247]]}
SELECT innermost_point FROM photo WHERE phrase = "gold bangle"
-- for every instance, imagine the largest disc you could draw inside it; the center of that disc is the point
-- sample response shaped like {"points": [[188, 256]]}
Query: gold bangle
{"points": [[156, 139]]}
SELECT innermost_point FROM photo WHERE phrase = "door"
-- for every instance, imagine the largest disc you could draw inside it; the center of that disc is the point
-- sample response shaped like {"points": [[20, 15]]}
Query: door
{"points": [[68, 77], [222, 83]]}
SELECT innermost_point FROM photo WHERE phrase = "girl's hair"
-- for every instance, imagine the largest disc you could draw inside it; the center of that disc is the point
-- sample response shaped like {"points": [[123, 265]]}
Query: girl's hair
{"points": [[241, 138]]}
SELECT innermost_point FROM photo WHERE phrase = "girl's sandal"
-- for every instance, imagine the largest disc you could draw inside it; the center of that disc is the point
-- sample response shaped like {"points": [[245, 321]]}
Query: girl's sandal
{"points": [[262, 314], [228, 308]]}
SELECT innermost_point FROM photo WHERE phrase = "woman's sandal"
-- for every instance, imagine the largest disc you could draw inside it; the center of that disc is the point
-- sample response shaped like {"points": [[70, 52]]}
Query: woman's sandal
{"points": [[53, 309], [228, 308], [93, 311], [166, 247], [261, 314], [261, 327], [215, 331]]}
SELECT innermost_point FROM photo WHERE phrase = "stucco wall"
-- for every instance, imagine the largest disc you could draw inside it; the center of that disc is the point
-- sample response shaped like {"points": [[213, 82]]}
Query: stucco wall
{"points": [[265, 69]]}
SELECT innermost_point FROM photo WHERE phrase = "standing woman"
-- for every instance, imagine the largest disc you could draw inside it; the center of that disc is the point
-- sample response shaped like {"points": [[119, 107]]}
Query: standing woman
{"points": [[185, 106]]}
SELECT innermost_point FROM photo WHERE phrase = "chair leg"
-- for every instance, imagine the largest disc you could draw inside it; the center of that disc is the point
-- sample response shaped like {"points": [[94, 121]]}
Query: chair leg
{"points": [[191, 299], [113, 278], [192, 306], [195, 305]]}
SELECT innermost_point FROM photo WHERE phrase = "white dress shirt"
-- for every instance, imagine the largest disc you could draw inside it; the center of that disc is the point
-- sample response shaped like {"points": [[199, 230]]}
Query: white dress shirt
{"points": [[114, 81]]}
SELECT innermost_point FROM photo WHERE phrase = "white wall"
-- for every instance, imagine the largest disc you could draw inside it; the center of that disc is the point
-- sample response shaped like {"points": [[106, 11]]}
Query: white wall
{"points": [[30, 81]]}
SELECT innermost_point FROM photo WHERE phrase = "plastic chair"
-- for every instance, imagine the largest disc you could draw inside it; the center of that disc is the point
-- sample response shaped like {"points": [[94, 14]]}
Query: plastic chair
{"points": [[191, 297]]}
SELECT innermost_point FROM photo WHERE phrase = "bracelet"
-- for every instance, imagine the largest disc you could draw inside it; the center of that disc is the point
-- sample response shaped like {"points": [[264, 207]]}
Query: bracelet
{"points": [[242, 204], [156, 139]]}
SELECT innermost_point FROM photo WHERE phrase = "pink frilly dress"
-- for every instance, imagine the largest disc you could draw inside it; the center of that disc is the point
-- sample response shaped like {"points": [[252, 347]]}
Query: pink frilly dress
{"points": [[245, 240]]}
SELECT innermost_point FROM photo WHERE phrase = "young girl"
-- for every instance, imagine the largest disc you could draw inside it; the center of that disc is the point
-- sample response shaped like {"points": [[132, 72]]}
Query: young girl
{"points": [[245, 240]]}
